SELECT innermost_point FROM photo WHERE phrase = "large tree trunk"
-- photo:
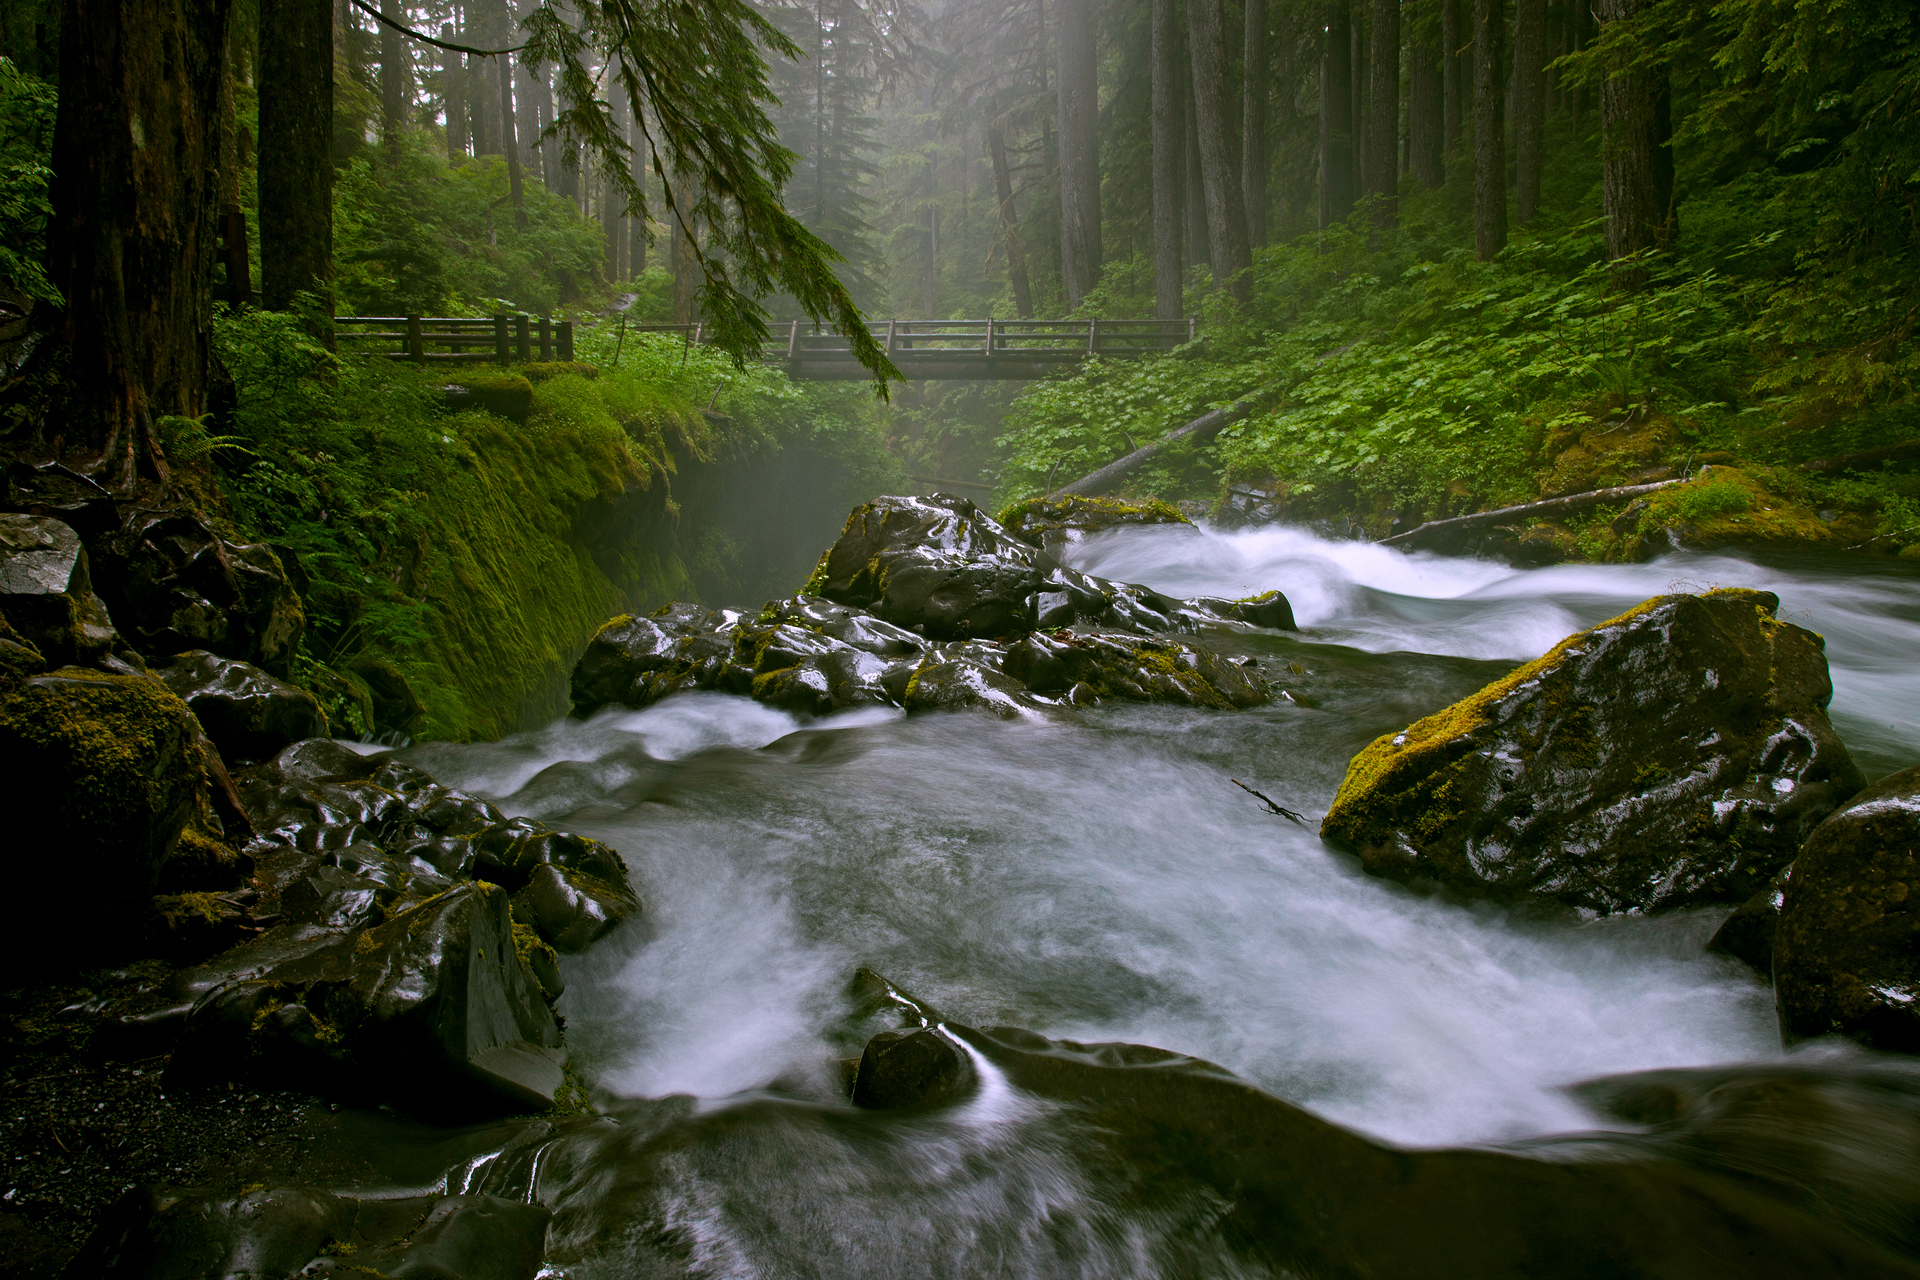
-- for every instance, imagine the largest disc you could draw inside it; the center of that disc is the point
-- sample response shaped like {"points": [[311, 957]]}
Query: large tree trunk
{"points": [[130, 245], [1169, 127], [1198, 250], [1453, 78], [1383, 115], [1078, 85], [1336, 118], [1489, 132], [1425, 104], [685, 267], [396, 85], [1630, 178], [295, 161], [1529, 105], [233, 218], [453, 77], [510, 143], [1009, 226], [1253, 122], [1219, 165]]}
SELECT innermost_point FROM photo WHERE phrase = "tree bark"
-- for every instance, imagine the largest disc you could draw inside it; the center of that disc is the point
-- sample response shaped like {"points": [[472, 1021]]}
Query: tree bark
{"points": [[1383, 117], [1336, 119], [233, 219], [1362, 81], [1077, 84], [1489, 133], [1219, 165], [1425, 104], [1529, 105], [395, 85], [1630, 181], [453, 98], [1198, 249], [1253, 126], [1169, 130], [1009, 233], [136, 147], [1453, 78], [510, 143], [295, 162]]}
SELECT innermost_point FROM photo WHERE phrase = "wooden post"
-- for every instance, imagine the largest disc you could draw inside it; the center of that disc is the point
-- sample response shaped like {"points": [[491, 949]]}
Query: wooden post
{"points": [[890, 325], [698, 325], [502, 348], [416, 341], [1093, 335], [522, 323], [793, 341], [989, 346], [566, 340], [546, 338], [1193, 327]]}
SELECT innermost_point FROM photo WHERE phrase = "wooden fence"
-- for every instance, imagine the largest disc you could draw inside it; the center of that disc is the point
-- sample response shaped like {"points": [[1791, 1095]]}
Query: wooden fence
{"points": [[499, 339]]}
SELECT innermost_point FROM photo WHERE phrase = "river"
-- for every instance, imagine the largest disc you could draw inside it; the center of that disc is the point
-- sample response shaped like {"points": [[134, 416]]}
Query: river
{"points": [[1102, 879]]}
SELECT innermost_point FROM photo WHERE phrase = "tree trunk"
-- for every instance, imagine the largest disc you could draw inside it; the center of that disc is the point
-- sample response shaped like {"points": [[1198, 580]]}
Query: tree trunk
{"points": [[1219, 165], [295, 161], [510, 144], [1629, 176], [395, 85], [233, 219], [1336, 119], [1425, 104], [1489, 133], [686, 268], [1079, 108], [1253, 126], [1383, 116], [1169, 127], [1529, 105], [1453, 79], [1198, 250], [136, 147], [452, 84], [1009, 235]]}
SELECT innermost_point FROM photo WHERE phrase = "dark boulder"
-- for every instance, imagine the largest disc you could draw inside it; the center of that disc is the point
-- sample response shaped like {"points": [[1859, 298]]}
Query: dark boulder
{"points": [[1676, 754], [637, 661], [114, 770], [1133, 667], [937, 563], [1056, 519], [918, 1067], [1846, 951], [173, 584], [1747, 934], [249, 714], [46, 592]]}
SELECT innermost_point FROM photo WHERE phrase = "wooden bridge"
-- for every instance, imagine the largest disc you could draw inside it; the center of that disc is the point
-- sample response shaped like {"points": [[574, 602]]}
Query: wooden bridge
{"points": [[946, 349]]}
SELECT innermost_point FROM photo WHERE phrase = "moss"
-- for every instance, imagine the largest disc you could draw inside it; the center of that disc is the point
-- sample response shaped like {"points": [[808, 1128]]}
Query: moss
{"points": [[817, 580], [542, 370]]}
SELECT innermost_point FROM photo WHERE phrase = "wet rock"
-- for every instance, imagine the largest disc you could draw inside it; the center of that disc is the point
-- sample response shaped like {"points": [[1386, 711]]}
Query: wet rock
{"points": [[938, 563], [163, 1233], [1846, 952], [1269, 609], [114, 771], [249, 714], [173, 585], [920, 1067], [1747, 934], [637, 661], [1053, 521], [1140, 669], [849, 626], [46, 592], [952, 678], [1676, 754]]}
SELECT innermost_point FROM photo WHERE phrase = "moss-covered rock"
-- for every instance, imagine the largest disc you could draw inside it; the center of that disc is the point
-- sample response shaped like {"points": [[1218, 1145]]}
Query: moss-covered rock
{"points": [[1676, 754], [541, 370], [1053, 520], [1846, 950], [108, 771], [937, 564], [505, 395]]}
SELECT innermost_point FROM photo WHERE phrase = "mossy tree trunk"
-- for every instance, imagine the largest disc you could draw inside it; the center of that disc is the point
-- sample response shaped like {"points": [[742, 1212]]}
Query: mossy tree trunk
{"points": [[136, 152], [1383, 114], [1489, 131], [296, 151], [1336, 116]]}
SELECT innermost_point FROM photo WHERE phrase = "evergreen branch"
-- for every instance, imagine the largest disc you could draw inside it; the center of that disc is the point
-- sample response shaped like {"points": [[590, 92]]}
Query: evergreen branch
{"points": [[382, 18]]}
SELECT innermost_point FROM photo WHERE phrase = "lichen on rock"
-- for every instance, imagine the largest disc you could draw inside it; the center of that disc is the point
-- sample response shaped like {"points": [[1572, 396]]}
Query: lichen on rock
{"points": [[1676, 754]]}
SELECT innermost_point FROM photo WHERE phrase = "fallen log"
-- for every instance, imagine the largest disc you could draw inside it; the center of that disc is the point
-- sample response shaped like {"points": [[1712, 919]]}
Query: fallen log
{"points": [[1526, 510], [1905, 451], [1204, 427]]}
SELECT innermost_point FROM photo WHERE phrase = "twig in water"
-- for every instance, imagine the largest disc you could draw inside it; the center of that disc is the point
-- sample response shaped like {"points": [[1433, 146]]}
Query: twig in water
{"points": [[1280, 810]]}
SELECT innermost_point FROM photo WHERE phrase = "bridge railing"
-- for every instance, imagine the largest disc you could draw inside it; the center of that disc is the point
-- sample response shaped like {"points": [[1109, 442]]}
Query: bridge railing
{"points": [[499, 339]]}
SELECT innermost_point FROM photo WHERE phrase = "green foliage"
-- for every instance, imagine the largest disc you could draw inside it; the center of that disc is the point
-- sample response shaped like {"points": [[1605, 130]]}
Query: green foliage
{"points": [[27, 107], [1715, 498]]}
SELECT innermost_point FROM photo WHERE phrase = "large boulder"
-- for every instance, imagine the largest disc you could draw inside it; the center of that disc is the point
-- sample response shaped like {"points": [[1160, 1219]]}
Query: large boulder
{"points": [[174, 584], [1676, 754], [939, 565], [46, 591], [637, 661], [249, 714], [1846, 949], [107, 770]]}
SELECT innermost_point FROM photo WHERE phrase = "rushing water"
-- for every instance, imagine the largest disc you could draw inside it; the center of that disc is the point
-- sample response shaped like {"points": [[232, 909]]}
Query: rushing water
{"points": [[1102, 879]]}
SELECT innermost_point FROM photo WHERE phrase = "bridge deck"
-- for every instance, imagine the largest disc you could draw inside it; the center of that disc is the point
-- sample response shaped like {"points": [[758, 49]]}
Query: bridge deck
{"points": [[956, 349]]}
